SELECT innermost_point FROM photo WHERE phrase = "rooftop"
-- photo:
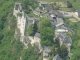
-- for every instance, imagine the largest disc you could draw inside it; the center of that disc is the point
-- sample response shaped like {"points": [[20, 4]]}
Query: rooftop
{"points": [[30, 20], [37, 35], [60, 15], [65, 38], [38, 9], [57, 57], [52, 15], [60, 20], [43, 2], [53, 23], [48, 8], [53, 12]]}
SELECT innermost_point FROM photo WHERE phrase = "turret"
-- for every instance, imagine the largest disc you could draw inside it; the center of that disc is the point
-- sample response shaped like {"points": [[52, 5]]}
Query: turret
{"points": [[17, 9]]}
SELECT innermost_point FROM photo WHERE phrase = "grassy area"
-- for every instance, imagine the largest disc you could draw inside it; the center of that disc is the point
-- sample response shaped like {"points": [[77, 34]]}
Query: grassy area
{"points": [[75, 26], [53, 0], [65, 9], [75, 4]]}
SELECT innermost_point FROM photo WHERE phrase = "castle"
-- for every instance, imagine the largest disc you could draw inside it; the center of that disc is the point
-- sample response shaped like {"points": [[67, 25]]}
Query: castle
{"points": [[23, 22], [21, 19]]}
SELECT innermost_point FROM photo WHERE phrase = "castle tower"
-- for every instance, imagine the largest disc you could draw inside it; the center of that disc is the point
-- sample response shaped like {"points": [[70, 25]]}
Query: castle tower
{"points": [[17, 9], [23, 23], [21, 17]]}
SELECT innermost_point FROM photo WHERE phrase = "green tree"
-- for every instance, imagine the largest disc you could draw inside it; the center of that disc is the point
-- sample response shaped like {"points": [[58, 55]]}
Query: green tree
{"points": [[10, 48], [47, 33], [69, 5], [29, 54], [30, 30], [35, 27], [28, 5], [57, 41], [76, 54], [47, 36], [1, 36], [74, 0], [63, 52], [45, 23]]}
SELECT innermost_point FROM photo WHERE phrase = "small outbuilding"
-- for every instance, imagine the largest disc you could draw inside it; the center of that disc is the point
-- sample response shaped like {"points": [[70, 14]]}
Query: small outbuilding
{"points": [[57, 57], [78, 13], [48, 8]]}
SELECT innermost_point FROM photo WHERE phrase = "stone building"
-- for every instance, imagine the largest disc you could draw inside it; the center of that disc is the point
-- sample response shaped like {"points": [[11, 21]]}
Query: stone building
{"points": [[17, 9], [57, 57], [21, 19], [64, 39]]}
